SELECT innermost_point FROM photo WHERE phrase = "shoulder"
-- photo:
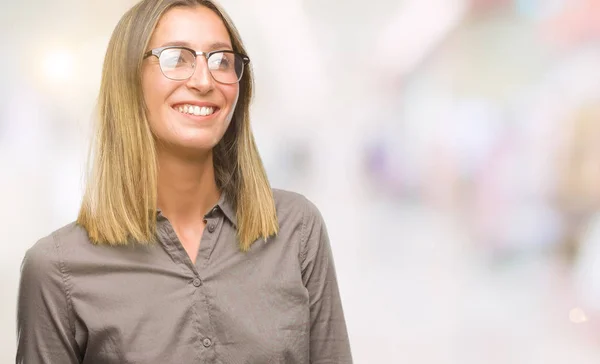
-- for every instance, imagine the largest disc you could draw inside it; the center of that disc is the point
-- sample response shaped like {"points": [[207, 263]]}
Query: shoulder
{"points": [[293, 204], [297, 212], [47, 253], [68, 237], [43, 266]]}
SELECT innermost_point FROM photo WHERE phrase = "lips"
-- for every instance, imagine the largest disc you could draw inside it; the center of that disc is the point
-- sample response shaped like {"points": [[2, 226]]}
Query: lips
{"points": [[196, 109]]}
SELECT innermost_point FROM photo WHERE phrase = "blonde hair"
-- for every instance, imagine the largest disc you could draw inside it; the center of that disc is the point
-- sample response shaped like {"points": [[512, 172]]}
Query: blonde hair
{"points": [[120, 201]]}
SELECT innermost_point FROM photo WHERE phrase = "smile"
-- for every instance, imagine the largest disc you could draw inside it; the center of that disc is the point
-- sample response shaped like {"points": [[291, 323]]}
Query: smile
{"points": [[195, 110]]}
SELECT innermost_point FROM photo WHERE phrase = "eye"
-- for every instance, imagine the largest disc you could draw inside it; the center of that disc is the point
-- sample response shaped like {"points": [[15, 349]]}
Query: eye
{"points": [[220, 61], [175, 58]]}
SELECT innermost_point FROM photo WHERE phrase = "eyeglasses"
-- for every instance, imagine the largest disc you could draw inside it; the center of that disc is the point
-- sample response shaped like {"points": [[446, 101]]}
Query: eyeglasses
{"points": [[179, 63]]}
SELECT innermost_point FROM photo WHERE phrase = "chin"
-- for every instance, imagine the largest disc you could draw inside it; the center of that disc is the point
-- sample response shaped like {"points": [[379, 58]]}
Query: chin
{"points": [[195, 146], [191, 139]]}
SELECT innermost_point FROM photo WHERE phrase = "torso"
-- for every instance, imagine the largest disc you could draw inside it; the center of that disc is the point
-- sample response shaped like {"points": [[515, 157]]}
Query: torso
{"points": [[193, 299]]}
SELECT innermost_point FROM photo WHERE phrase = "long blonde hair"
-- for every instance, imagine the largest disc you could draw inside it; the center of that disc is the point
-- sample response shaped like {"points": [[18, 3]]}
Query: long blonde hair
{"points": [[120, 201]]}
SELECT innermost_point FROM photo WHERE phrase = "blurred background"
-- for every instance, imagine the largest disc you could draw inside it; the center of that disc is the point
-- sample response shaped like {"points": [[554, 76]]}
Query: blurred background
{"points": [[453, 147]]}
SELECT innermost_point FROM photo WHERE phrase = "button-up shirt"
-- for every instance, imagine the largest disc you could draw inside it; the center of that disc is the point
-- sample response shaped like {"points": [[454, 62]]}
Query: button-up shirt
{"points": [[144, 304]]}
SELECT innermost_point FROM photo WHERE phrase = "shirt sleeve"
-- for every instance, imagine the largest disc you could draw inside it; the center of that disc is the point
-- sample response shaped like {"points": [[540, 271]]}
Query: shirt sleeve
{"points": [[45, 334], [329, 341]]}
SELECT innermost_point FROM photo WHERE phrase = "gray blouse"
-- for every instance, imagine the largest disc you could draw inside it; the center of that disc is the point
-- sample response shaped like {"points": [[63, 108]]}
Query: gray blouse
{"points": [[278, 303]]}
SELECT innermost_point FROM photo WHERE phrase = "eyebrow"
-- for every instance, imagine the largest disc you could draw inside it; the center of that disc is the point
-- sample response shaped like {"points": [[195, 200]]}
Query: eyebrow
{"points": [[211, 47]]}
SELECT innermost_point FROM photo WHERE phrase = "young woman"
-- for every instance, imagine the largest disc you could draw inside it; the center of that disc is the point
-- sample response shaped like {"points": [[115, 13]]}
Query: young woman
{"points": [[182, 252]]}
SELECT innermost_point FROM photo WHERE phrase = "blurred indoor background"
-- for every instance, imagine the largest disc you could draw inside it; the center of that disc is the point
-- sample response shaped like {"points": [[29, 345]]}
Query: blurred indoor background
{"points": [[453, 147]]}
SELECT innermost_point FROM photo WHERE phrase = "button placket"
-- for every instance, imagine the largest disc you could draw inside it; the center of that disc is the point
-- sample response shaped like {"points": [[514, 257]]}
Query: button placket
{"points": [[210, 236], [211, 227]]}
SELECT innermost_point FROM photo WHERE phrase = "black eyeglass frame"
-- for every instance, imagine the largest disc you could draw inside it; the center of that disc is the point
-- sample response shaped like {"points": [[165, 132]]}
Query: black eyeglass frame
{"points": [[158, 51]]}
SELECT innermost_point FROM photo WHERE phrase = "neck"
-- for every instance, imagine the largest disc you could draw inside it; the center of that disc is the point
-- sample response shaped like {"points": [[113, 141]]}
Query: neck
{"points": [[187, 189]]}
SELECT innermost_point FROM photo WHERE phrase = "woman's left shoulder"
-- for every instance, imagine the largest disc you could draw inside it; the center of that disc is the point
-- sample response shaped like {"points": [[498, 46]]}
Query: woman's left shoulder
{"points": [[299, 220], [294, 208]]}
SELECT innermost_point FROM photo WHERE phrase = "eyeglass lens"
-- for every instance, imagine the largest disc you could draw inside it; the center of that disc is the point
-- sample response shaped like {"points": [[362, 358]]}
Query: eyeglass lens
{"points": [[179, 64]]}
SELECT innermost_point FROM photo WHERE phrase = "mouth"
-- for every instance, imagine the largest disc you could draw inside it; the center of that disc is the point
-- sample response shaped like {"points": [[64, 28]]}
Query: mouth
{"points": [[196, 111]]}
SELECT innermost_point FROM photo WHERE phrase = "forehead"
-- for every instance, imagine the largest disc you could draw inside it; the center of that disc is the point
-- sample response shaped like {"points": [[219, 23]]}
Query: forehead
{"points": [[197, 26]]}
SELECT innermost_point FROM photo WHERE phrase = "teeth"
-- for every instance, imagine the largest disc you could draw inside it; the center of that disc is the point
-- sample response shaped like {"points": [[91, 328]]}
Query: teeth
{"points": [[196, 110]]}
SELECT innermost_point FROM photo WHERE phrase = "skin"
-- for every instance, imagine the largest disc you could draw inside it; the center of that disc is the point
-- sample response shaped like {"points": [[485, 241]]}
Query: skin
{"points": [[187, 188]]}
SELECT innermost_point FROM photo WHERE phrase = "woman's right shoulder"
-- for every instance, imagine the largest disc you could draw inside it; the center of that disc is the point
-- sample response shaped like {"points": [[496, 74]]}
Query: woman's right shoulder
{"points": [[49, 250]]}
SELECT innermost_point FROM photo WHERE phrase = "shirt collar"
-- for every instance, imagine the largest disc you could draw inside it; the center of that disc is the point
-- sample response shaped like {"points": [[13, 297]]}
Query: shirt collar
{"points": [[223, 204]]}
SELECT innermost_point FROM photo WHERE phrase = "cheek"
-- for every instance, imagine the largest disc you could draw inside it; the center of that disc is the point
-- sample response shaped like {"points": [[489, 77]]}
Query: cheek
{"points": [[155, 92], [233, 97], [149, 93]]}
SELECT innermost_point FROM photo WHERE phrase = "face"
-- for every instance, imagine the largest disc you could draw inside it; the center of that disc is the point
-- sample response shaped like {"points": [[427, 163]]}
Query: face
{"points": [[198, 28]]}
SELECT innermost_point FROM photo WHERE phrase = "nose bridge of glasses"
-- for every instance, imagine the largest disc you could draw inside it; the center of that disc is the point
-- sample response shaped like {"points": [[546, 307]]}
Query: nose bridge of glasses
{"points": [[203, 54], [204, 70]]}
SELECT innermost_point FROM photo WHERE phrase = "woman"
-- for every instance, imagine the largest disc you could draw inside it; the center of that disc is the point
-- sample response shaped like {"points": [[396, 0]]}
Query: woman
{"points": [[181, 253]]}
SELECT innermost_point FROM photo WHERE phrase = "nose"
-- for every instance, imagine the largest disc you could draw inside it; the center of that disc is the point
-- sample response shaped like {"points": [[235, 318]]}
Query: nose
{"points": [[201, 80]]}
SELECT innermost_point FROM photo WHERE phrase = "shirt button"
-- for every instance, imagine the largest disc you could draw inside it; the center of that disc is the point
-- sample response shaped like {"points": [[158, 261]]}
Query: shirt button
{"points": [[197, 282], [211, 228], [206, 342]]}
